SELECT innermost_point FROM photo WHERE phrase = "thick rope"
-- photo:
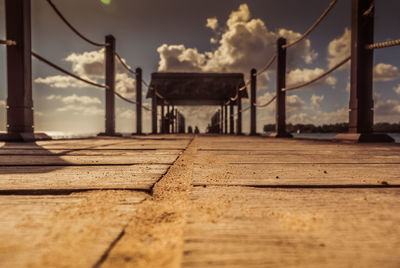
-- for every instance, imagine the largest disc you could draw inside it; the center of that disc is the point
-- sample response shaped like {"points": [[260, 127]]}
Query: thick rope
{"points": [[266, 104], [266, 67], [124, 64], [152, 89], [72, 27], [245, 109], [67, 72], [384, 44], [245, 85], [8, 42], [123, 98], [318, 77], [324, 14]]}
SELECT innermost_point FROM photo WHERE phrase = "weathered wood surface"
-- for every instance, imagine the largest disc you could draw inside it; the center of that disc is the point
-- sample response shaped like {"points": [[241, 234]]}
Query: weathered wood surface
{"points": [[98, 163], [227, 202], [248, 227], [270, 162], [62, 231], [309, 204]]}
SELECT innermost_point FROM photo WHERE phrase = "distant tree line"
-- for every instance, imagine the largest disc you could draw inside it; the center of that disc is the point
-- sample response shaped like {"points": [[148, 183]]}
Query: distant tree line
{"points": [[335, 128]]}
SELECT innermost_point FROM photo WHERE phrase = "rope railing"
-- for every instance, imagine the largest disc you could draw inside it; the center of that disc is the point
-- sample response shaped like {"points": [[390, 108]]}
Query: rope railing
{"points": [[8, 42], [266, 104], [37, 56], [245, 109], [316, 23], [266, 67], [124, 99], [124, 64], [58, 12], [156, 92], [318, 77], [386, 44]]}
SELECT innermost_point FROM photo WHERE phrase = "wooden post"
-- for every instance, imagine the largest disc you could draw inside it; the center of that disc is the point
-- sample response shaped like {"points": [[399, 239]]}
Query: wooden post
{"points": [[162, 119], [221, 131], [19, 72], [280, 126], [173, 119], [361, 115], [138, 101], [231, 120], [167, 127], [154, 112], [110, 82], [239, 119], [253, 100], [176, 121], [226, 119]]}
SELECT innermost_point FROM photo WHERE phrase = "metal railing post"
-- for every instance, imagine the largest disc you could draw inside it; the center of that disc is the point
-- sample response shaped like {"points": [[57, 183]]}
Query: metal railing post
{"points": [[154, 112], [239, 118], [138, 101], [361, 114], [162, 119], [110, 82], [19, 72], [280, 127], [253, 99], [231, 119], [226, 119]]}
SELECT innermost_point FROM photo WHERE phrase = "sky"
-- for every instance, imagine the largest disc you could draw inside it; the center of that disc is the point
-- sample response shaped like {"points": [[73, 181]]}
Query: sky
{"points": [[204, 36]]}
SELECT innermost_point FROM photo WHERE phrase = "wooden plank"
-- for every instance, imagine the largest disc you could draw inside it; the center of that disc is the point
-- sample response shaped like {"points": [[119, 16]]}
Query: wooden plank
{"points": [[62, 231], [298, 174], [247, 227], [80, 178], [66, 160]]}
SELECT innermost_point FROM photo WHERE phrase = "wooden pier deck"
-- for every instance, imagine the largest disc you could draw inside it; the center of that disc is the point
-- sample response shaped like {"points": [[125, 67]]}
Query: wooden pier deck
{"points": [[206, 201]]}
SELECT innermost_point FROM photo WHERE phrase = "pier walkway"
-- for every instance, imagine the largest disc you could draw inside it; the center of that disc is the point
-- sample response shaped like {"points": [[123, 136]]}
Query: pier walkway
{"points": [[180, 200]]}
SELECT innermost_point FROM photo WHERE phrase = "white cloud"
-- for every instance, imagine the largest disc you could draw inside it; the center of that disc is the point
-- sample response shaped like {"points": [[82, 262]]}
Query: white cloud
{"points": [[397, 89], [75, 99], [3, 103], [348, 87], [243, 44], [90, 65], [316, 100], [385, 72], [339, 48], [61, 81], [303, 49], [82, 110], [81, 99], [126, 113], [300, 76], [388, 109], [294, 103], [212, 23]]}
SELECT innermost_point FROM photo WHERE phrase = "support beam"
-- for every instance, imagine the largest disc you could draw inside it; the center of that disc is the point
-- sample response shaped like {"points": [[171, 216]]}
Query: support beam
{"points": [[110, 82], [162, 119], [239, 119], [167, 126], [253, 100], [19, 72], [221, 130], [226, 119], [361, 115], [154, 112], [280, 127], [231, 120], [138, 101], [173, 119]]}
